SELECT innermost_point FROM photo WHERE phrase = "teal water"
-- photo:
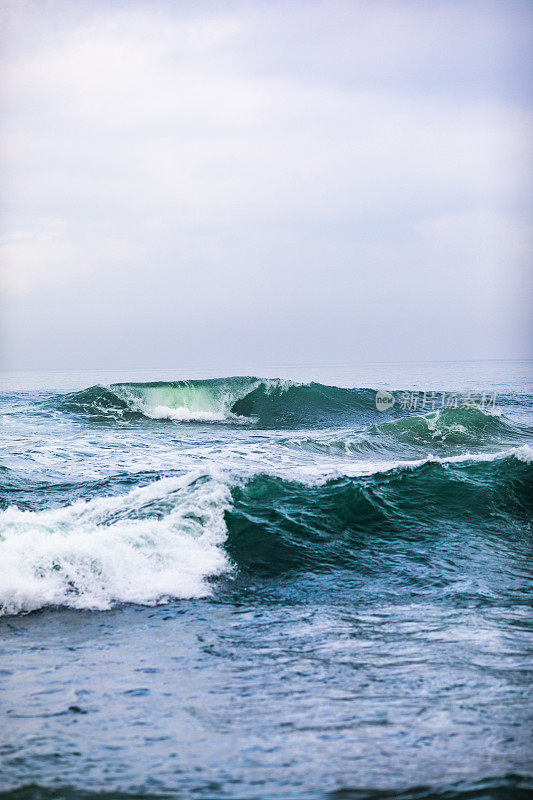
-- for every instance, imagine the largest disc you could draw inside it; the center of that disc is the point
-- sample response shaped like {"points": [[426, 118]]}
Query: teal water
{"points": [[265, 586]]}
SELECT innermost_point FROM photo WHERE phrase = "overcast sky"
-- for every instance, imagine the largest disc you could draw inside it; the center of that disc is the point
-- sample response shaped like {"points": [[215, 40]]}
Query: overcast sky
{"points": [[203, 183]]}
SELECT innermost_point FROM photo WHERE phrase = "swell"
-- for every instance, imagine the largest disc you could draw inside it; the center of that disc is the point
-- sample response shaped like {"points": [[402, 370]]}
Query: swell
{"points": [[27, 494], [172, 537], [448, 431], [276, 526], [280, 404]]}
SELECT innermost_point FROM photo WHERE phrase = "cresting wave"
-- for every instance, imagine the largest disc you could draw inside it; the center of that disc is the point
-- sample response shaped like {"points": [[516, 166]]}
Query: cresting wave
{"points": [[277, 526], [169, 538], [268, 402]]}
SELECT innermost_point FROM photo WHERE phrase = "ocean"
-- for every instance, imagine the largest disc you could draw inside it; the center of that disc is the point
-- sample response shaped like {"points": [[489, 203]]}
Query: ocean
{"points": [[309, 582]]}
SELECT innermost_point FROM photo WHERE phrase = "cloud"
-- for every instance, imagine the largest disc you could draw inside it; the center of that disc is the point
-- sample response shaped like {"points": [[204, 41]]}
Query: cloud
{"points": [[257, 160]]}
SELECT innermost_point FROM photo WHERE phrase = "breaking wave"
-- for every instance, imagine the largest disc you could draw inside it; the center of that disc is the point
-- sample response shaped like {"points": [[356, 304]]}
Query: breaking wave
{"points": [[277, 525], [169, 539], [162, 540], [202, 401], [270, 403]]}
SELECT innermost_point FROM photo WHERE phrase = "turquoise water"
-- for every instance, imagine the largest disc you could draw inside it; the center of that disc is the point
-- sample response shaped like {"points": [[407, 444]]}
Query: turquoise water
{"points": [[265, 586]]}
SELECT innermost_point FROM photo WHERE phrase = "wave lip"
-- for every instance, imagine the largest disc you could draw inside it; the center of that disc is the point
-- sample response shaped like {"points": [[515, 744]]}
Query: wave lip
{"points": [[202, 400], [163, 540]]}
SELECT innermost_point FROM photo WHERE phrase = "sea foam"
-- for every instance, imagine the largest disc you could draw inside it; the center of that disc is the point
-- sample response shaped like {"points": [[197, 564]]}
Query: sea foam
{"points": [[162, 540]]}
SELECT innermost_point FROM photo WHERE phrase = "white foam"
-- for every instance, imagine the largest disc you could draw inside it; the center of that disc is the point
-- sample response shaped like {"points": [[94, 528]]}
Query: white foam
{"points": [[524, 453], [184, 414], [163, 540], [186, 402], [320, 473]]}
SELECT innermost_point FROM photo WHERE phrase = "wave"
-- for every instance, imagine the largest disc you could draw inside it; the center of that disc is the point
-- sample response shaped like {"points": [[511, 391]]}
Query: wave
{"points": [[277, 525], [444, 429], [169, 539], [209, 400], [267, 402], [452, 425], [275, 403]]}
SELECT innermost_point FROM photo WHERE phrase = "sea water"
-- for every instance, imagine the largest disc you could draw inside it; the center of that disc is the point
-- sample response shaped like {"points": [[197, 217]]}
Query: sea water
{"points": [[266, 586]]}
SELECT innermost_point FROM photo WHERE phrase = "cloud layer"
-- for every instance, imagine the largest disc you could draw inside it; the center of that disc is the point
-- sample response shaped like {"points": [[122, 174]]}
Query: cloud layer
{"points": [[264, 182]]}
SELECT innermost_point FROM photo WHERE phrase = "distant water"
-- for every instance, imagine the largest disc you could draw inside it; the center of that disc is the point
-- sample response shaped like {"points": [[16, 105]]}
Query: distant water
{"points": [[267, 586]]}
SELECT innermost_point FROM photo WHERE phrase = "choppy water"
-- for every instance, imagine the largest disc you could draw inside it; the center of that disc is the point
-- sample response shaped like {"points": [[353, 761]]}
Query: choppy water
{"points": [[266, 587]]}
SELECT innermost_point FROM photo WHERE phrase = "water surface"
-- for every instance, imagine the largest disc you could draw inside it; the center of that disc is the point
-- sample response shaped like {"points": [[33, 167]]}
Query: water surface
{"points": [[263, 586]]}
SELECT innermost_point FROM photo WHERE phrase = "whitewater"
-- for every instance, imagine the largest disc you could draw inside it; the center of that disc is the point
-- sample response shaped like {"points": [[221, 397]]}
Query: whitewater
{"points": [[269, 570]]}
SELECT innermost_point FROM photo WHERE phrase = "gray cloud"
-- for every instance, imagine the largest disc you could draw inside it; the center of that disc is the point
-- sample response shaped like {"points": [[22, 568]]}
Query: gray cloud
{"points": [[264, 182]]}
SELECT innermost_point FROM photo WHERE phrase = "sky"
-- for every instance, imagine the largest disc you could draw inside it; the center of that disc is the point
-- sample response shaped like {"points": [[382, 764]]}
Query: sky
{"points": [[264, 182]]}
